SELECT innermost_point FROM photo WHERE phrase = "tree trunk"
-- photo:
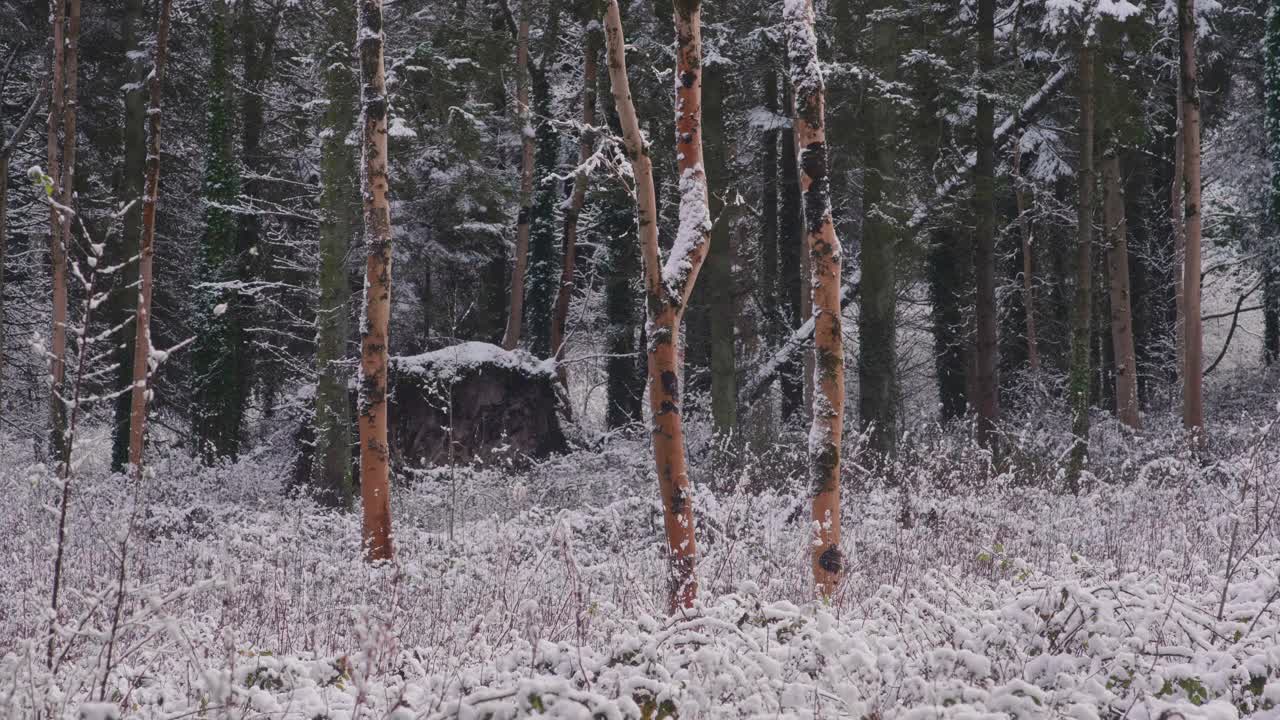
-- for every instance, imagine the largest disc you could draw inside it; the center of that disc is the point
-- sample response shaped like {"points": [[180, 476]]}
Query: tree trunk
{"points": [[720, 261], [515, 312], [824, 252], [131, 187], [58, 231], [375, 485], [1078, 383], [1179, 226], [586, 143], [1126, 365], [986, 342], [1028, 292], [877, 322], [790, 254], [1192, 400], [667, 287], [331, 467], [142, 330]]}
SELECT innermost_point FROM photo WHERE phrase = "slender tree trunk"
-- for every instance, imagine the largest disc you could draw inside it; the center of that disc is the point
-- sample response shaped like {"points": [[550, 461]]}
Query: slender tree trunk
{"points": [[1126, 365], [339, 204], [142, 337], [586, 143], [825, 256], [667, 288], [375, 470], [986, 342], [1028, 286], [1193, 402], [768, 283], [1271, 243], [57, 247], [130, 187], [1078, 383], [1179, 227], [515, 313]]}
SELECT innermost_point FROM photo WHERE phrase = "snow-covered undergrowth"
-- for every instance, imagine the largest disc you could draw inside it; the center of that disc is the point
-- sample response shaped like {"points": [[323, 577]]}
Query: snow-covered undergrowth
{"points": [[972, 592]]}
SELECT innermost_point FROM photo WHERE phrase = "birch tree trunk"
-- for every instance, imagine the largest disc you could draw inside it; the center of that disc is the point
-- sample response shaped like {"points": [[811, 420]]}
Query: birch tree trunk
{"points": [[142, 331], [1078, 382], [1192, 399], [1116, 231], [667, 287], [564, 294], [825, 254], [515, 311], [1028, 291], [375, 485]]}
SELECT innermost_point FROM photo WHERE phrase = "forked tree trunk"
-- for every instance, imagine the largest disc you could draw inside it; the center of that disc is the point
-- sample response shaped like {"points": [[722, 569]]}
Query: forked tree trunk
{"points": [[142, 336], [560, 317], [1192, 399], [515, 311], [824, 253], [1028, 289], [1078, 383], [375, 470], [667, 287], [1115, 228]]}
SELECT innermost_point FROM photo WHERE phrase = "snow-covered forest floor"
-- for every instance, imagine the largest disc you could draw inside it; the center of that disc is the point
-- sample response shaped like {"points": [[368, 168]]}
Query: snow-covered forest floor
{"points": [[522, 591]]}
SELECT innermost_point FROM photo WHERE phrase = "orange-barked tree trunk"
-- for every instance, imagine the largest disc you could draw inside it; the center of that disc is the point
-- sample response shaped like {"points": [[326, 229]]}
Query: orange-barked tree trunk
{"points": [[515, 311], [375, 461], [827, 423], [1192, 398], [560, 316], [667, 287], [142, 337]]}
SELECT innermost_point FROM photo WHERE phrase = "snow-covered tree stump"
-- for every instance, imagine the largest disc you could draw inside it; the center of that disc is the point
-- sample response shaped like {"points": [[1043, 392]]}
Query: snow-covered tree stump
{"points": [[474, 400]]}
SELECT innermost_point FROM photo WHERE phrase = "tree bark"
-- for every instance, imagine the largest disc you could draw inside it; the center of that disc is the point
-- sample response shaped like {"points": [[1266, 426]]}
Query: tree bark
{"points": [[1192, 399], [721, 312], [667, 287], [877, 321], [58, 229], [375, 485], [827, 425], [1179, 227], [331, 467], [515, 313], [1116, 232], [1271, 243], [586, 143], [142, 330], [790, 260], [1078, 383], [986, 342], [1028, 287]]}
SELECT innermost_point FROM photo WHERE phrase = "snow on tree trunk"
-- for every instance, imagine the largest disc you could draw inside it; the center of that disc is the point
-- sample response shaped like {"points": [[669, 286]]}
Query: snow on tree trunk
{"points": [[824, 252], [142, 330], [515, 312], [375, 486], [667, 287], [1192, 399]]}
